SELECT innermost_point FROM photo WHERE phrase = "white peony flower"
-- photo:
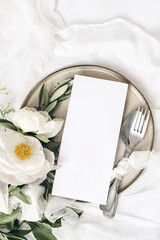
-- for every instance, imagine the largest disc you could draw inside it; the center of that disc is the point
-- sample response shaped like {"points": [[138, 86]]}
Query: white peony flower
{"points": [[33, 211], [23, 159], [39, 122]]}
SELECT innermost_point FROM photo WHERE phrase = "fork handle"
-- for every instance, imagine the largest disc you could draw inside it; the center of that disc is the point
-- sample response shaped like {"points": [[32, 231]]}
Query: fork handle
{"points": [[113, 194], [110, 208], [110, 214]]}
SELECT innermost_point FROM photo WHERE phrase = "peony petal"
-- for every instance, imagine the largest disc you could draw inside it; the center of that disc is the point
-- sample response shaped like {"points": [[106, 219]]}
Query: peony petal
{"points": [[6, 165], [8, 140], [24, 178], [28, 120], [10, 179], [51, 128], [38, 180], [49, 155], [33, 164], [44, 170], [34, 211], [4, 206], [44, 113], [25, 120], [35, 144]]}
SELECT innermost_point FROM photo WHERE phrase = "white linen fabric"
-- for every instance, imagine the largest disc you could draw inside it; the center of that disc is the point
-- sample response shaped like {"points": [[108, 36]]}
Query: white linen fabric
{"points": [[144, 13], [35, 42]]}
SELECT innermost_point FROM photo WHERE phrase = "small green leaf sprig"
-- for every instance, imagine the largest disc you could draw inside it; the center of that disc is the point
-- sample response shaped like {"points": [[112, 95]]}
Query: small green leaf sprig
{"points": [[16, 192], [51, 101], [3, 90], [4, 110]]}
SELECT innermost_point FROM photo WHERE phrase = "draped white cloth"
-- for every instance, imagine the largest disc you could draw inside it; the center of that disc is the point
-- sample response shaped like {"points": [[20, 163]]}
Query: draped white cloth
{"points": [[35, 41]]}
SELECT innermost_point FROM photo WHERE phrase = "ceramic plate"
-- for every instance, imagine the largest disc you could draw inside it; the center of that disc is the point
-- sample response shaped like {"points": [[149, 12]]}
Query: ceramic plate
{"points": [[133, 101]]}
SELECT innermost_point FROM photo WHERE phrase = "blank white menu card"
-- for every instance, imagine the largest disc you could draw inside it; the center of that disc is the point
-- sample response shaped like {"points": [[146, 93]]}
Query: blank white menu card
{"points": [[90, 139]]}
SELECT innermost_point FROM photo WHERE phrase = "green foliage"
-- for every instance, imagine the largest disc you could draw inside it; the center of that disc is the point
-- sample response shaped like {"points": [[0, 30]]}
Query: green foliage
{"points": [[40, 96], [48, 184], [42, 138], [15, 191], [61, 92], [46, 98], [7, 124], [3, 91], [51, 106], [64, 97], [66, 81], [56, 224], [52, 146], [4, 110], [58, 93], [7, 218], [16, 234], [40, 231]]}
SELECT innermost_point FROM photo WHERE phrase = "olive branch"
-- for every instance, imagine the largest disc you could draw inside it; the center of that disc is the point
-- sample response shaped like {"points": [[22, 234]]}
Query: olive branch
{"points": [[51, 101]]}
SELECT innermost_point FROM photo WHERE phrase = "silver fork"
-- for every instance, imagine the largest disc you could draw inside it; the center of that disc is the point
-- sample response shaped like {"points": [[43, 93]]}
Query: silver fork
{"points": [[139, 127], [137, 132]]}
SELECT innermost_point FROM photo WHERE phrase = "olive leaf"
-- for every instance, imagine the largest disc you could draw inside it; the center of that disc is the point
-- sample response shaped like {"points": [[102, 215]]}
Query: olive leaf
{"points": [[47, 184], [64, 97], [66, 81], [10, 236], [20, 232], [55, 167], [17, 234], [6, 226], [40, 95], [51, 175], [6, 218], [2, 236], [42, 138], [68, 90], [54, 109], [7, 124], [11, 188], [40, 231], [71, 82], [56, 224], [51, 106], [52, 146], [18, 194], [46, 98], [58, 92]]}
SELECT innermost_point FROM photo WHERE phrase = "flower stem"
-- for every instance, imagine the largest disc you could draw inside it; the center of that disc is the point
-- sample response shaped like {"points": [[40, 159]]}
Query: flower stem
{"points": [[12, 224]]}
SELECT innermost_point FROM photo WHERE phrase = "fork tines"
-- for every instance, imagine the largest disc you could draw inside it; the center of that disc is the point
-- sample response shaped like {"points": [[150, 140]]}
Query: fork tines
{"points": [[141, 120]]}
